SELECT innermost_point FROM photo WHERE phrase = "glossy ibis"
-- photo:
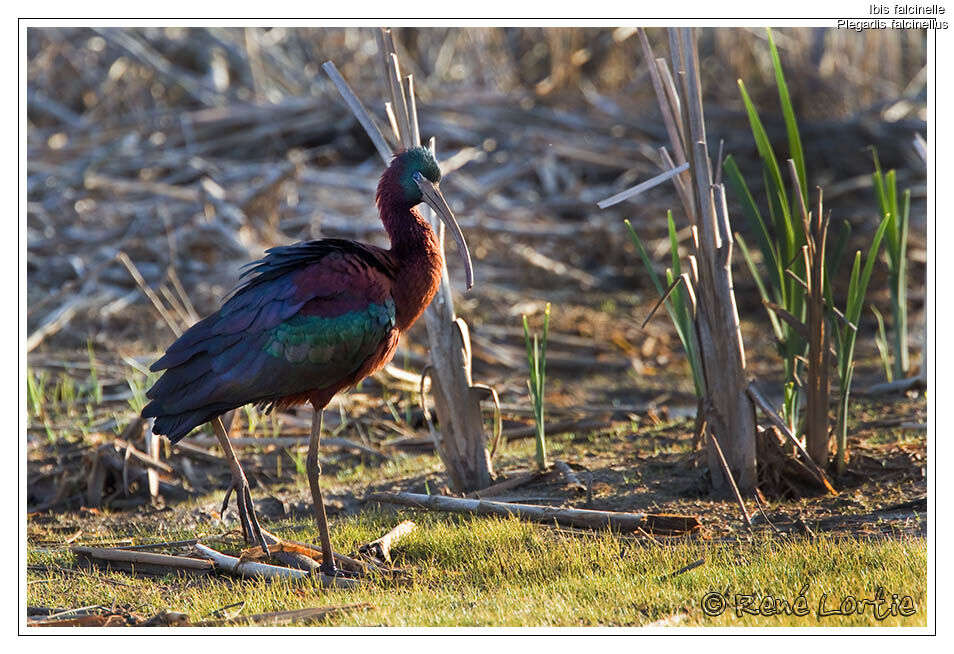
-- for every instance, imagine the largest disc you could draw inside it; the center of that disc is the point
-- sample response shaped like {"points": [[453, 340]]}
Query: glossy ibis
{"points": [[307, 321]]}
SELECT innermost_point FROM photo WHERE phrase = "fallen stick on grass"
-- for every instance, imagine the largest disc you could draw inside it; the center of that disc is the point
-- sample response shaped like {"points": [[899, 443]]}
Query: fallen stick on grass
{"points": [[82, 621], [896, 386], [381, 548], [276, 618], [682, 570], [253, 569], [342, 560], [141, 562], [623, 522]]}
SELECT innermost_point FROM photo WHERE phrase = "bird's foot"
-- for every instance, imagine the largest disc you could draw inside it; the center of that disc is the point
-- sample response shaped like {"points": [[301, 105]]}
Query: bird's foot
{"points": [[329, 569], [251, 530]]}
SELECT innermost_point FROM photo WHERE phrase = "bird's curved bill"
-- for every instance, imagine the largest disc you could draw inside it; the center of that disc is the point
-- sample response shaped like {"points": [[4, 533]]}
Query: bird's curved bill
{"points": [[435, 200]]}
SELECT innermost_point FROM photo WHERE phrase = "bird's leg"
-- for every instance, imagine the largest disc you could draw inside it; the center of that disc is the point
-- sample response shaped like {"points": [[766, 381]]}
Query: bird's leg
{"points": [[243, 497], [313, 468]]}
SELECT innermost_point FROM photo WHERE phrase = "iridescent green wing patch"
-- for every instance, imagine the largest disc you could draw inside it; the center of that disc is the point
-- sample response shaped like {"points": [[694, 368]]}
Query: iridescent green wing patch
{"points": [[341, 341]]}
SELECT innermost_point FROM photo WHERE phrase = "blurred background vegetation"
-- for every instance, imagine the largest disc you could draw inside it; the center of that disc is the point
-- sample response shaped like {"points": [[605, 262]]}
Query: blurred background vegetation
{"points": [[192, 149], [180, 154]]}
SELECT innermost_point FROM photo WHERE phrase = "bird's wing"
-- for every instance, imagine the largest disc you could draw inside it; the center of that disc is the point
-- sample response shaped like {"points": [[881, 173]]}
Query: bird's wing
{"points": [[306, 317]]}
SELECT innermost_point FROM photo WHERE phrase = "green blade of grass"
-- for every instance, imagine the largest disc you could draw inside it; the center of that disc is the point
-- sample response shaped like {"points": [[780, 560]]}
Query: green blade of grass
{"points": [[836, 256], [778, 198], [647, 263], [673, 245], [763, 292], [852, 287], [856, 294], [791, 125], [881, 340], [891, 190], [677, 304], [751, 211]]}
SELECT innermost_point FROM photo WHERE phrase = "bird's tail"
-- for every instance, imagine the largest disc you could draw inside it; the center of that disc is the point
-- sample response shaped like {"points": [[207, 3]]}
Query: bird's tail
{"points": [[176, 426]]}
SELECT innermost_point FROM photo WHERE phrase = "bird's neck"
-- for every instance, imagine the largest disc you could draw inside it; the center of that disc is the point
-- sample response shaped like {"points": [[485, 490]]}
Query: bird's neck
{"points": [[417, 255]]}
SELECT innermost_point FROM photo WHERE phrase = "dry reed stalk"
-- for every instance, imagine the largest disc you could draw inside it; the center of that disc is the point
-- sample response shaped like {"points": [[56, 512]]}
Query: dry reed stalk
{"points": [[145, 562], [381, 548], [622, 522], [252, 569], [819, 339], [461, 441], [278, 618], [728, 411]]}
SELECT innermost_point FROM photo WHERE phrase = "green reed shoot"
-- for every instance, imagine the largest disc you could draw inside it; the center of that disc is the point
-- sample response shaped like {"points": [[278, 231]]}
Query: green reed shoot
{"points": [[537, 358], [896, 247], [884, 348], [36, 400], [780, 241], [678, 304], [95, 386], [36, 392], [846, 334], [137, 385], [300, 460]]}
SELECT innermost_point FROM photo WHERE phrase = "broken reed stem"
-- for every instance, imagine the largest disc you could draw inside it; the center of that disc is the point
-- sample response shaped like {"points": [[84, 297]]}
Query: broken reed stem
{"points": [[641, 187], [728, 474], [399, 100], [507, 484], [571, 477], [278, 618], [622, 522], [311, 551], [148, 560], [412, 108], [716, 320], [381, 548], [183, 295], [156, 302], [819, 349], [461, 441], [756, 395], [253, 569], [364, 118]]}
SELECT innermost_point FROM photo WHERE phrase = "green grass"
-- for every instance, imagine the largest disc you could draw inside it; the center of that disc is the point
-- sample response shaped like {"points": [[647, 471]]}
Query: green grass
{"points": [[483, 572], [537, 362], [63, 405], [896, 247], [845, 336], [467, 571]]}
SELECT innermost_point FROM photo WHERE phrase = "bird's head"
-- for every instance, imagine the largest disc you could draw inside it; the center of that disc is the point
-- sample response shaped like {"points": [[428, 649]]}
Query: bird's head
{"points": [[414, 166], [417, 177]]}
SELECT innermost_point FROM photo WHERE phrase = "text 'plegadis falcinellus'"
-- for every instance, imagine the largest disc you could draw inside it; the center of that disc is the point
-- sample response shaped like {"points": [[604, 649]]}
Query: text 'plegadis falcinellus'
{"points": [[310, 320]]}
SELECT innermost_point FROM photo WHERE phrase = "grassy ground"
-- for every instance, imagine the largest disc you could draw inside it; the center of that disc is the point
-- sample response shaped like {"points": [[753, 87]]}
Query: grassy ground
{"points": [[465, 571], [478, 571], [489, 572]]}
